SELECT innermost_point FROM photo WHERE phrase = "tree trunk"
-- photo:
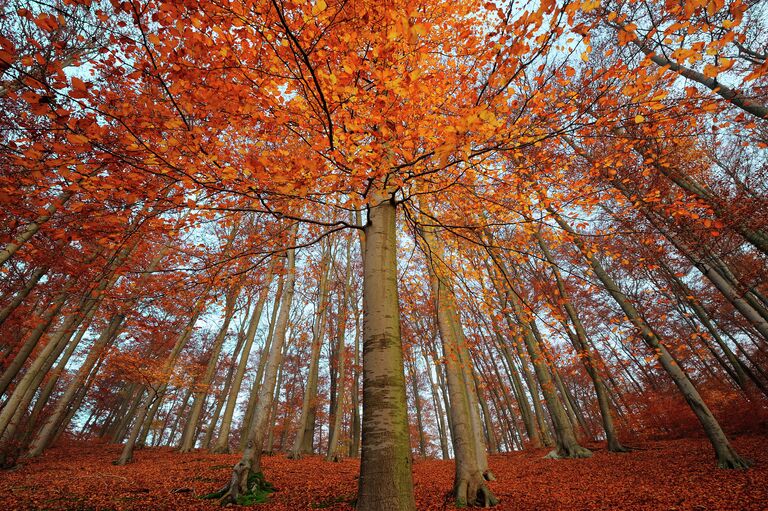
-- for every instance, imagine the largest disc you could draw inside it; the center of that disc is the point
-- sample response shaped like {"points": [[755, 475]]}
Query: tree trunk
{"points": [[254, 394], [241, 482], [222, 442], [31, 228], [19, 297], [440, 416], [581, 344], [471, 466], [189, 438], [334, 453], [50, 427], [305, 431], [385, 483], [726, 455]]}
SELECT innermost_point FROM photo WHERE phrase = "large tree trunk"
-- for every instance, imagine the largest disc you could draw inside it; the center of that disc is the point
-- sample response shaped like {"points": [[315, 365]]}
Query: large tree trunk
{"points": [[385, 483]]}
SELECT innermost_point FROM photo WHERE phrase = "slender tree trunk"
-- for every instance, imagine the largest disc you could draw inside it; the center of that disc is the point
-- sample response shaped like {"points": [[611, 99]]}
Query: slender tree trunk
{"points": [[222, 442], [22, 293], [51, 425], [354, 447], [31, 228], [581, 344], [334, 453], [471, 466], [440, 416], [305, 432], [527, 415], [31, 341], [726, 455], [250, 463], [275, 406], [53, 378], [254, 394], [417, 405], [189, 437], [222, 397]]}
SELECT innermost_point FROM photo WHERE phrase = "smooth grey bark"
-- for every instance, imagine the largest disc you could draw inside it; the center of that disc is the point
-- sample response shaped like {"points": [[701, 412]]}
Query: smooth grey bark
{"points": [[385, 482], [334, 453], [189, 436], [254, 394], [471, 465], [52, 424], [305, 431]]}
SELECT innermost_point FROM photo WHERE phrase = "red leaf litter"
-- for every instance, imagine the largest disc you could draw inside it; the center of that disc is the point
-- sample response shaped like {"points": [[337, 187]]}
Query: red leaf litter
{"points": [[667, 475]]}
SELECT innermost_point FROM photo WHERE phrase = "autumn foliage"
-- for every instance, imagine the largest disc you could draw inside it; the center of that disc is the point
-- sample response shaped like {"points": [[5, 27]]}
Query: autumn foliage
{"points": [[485, 232]]}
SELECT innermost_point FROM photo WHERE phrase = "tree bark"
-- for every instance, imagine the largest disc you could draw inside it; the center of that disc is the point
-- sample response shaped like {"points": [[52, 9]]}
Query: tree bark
{"points": [[51, 425], [305, 431], [188, 438], [250, 463], [471, 465], [222, 442], [385, 483]]}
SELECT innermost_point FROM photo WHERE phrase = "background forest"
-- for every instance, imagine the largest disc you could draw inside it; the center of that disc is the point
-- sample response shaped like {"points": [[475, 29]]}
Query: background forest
{"points": [[245, 243]]}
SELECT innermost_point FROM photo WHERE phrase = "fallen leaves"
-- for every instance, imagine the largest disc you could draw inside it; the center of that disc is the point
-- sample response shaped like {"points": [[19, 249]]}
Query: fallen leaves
{"points": [[674, 474]]}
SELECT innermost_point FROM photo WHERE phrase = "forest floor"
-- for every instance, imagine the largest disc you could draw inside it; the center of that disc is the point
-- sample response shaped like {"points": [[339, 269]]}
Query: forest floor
{"points": [[667, 475]]}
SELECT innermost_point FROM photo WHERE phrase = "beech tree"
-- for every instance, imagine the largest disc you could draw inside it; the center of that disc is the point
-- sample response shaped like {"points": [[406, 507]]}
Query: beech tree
{"points": [[515, 227]]}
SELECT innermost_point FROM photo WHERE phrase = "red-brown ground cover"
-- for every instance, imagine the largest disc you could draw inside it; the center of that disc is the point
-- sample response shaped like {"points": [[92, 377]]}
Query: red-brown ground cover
{"points": [[668, 475]]}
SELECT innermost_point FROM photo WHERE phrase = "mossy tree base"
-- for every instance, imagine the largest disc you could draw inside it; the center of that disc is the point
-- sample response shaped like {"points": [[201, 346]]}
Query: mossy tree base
{"points": [[256, 490]]}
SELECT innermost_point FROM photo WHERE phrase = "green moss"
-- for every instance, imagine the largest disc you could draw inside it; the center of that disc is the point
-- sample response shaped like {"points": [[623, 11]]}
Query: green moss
{"points": [[214, 495], [258, 492]]}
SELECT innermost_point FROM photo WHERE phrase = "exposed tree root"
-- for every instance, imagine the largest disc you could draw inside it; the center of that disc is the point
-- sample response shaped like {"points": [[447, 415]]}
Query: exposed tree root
{"points": [[573, 451], [244, 488], [472, 491], [616, 446], [734, 462]]}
